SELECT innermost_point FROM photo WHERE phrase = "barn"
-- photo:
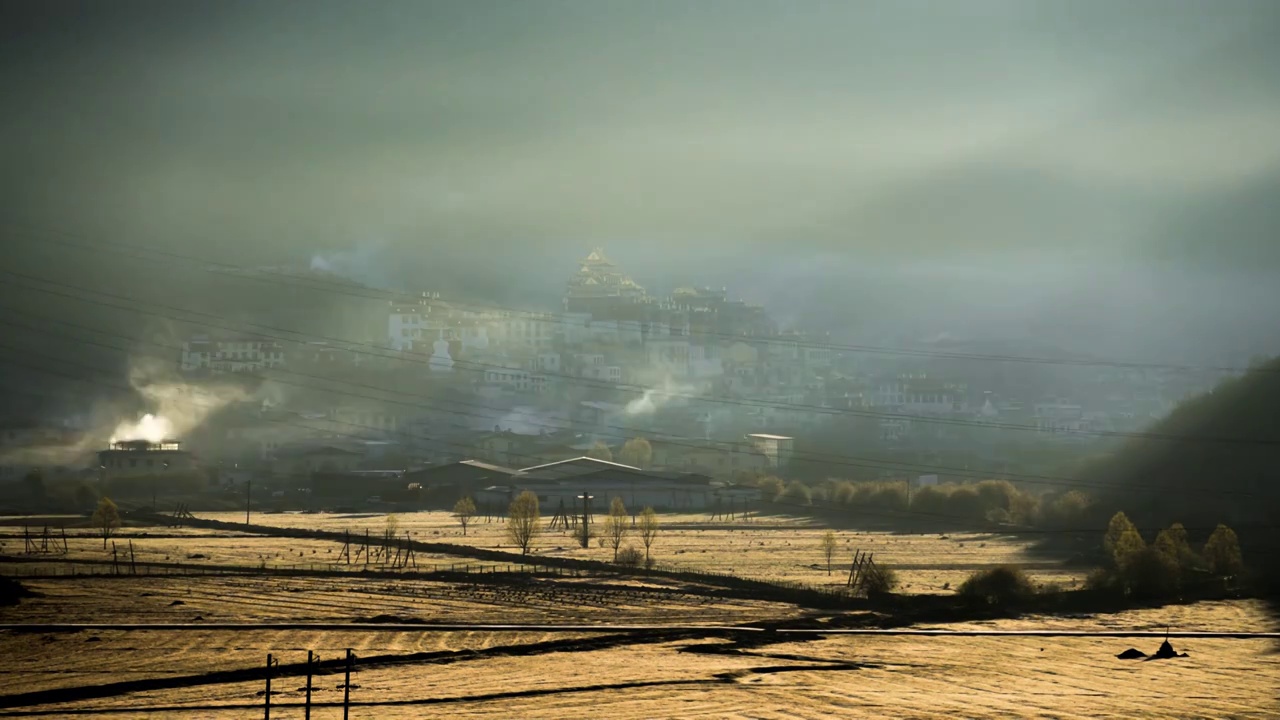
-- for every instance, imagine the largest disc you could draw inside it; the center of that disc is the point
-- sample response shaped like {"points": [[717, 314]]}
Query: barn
{"points": [[560, 483]]}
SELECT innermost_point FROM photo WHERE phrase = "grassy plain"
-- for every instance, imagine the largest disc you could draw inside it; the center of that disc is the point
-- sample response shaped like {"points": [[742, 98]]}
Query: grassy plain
{"points": [[191, 673]]}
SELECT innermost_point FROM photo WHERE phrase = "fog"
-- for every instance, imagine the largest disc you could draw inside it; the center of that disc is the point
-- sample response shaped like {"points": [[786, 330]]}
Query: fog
{"points": [[1097, 176]]}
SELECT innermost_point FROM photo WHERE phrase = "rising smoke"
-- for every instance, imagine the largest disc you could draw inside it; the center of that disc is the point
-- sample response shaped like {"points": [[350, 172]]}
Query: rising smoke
{"points": [[174, 406], [655, 398]]}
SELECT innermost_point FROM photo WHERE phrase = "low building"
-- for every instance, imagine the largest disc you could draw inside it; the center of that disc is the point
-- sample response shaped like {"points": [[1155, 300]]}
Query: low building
{"points": [[236, 355], [443, 485], [141, 458], [559, 485], [305, 460], [777, 448]]}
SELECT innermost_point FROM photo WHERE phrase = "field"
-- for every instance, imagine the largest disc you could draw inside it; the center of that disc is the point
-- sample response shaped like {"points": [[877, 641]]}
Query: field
{"points": [[681, 666], [768, 548]]}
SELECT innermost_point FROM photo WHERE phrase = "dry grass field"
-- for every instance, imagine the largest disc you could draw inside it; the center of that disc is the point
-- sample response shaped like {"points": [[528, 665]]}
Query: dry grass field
{"points": [[544, 675], [204, 672], [766, 548]]}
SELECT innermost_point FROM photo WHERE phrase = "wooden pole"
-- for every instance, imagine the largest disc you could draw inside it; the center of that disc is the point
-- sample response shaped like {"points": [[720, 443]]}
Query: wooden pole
{"points": [[248, 498], [267, 707], [64, 540], [307, 712], [346, 686], [133, 563]]}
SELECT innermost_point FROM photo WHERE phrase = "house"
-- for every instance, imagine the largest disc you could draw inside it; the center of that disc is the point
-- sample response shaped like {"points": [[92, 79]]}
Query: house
{"points": [[359, 485], [559, 485], [304, 460], [777, 448], [718, 460], [236, 354], [143, 458], [442, 485]]}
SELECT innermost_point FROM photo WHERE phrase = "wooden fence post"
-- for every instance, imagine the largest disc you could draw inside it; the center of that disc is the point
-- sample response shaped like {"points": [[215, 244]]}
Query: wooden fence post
{"points": [[307, 712], [267, 707], [346, 686]]}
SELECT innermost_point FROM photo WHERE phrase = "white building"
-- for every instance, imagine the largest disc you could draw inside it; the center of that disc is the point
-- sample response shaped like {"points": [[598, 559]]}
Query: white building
{"points": [[231, 355], [515, 378]]}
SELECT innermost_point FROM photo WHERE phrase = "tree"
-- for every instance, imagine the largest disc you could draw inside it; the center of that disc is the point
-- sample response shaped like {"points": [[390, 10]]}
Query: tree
{"points": [[648, 530], [464, 509], [829, 547], [615, 526], [522, 520], [636, 452], [393, 525], [1122, 539], [1172, 542], [1150, 574], [1222, 551], [600, 451], [106, 517]]}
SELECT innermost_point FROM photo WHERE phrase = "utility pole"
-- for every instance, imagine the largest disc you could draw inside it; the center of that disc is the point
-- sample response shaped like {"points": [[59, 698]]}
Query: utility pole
{"points": [[307, 712], [586, 518], [248, 498], [267, 708], [346, 686]]}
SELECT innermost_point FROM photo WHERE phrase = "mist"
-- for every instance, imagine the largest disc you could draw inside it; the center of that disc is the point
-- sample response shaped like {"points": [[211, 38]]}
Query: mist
{"points": [[1036, 149]]}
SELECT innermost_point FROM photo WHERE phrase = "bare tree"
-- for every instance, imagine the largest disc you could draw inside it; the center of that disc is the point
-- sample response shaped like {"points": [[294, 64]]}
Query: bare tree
{"points": [[106, 517], [600, 451], [637, 452], [464, 509], [393, 525], [648, 530], [522, 520], [829, 547], [615, 526]]}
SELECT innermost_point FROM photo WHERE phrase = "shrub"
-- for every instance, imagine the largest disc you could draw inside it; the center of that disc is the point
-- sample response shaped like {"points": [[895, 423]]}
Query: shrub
{"points": [[880, 581], [842, 493], [1150, 574], [999, 516], [931, 500], [986, 501], [1068, 510], [770, 488], [1103, 580], [888, 495], [630, 556], [796, 492], [997, 585]]}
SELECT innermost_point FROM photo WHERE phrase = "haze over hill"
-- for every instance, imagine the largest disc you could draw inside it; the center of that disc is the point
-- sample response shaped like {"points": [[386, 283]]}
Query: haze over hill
{"points": [[930, 160]]}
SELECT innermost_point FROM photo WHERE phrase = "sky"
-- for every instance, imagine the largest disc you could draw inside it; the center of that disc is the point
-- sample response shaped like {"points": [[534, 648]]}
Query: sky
{"points": [[1061, 144]]}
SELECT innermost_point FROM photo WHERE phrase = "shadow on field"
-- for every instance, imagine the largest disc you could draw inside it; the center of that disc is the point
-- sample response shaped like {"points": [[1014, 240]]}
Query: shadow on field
{"points": [[739, 645], [445, 657]]}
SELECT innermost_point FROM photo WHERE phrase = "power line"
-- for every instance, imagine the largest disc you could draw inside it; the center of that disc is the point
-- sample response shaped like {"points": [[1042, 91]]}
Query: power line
{"points": [[361, 291], [833, 460], [424, 359]]}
